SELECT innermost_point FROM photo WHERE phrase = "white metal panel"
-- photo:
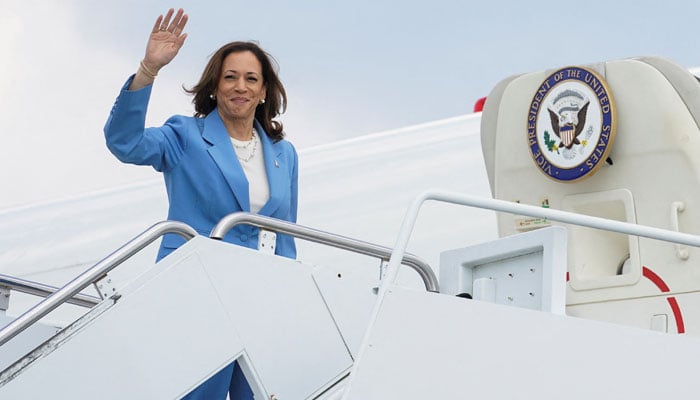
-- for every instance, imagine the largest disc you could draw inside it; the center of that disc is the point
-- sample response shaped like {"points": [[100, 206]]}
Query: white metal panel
{"points": [[189, 316], [350, 297], [146, 340], [287, 330], [527, 269], [24, 342], [434, 346], [679, 309]]}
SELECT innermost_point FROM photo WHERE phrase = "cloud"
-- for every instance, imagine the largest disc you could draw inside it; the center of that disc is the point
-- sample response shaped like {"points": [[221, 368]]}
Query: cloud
{"points": [[58, 83]]}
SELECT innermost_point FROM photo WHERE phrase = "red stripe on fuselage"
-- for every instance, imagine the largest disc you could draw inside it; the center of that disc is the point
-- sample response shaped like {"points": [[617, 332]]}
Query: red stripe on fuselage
{"points": [[649, 274]]}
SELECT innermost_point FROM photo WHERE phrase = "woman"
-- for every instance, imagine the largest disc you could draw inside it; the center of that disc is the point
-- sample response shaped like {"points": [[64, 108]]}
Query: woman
{"points": [[229, 157]]}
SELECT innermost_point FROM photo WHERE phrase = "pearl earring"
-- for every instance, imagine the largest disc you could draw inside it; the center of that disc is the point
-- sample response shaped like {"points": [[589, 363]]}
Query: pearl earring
{"points": [[262, 101], [211, 96]]}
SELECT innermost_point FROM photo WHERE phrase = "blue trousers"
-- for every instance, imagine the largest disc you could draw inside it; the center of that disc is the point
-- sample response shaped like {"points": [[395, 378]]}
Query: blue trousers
{"points": [[229, 380]]}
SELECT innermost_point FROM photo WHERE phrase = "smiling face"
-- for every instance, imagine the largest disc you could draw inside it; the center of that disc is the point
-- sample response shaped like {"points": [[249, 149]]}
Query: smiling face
{"points": [[241, 87]]}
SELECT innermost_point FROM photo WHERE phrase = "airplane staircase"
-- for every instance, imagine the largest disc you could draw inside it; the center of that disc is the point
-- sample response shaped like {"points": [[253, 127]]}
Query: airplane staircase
{"points": [[305, 332], [512, 339], [294, 328]]}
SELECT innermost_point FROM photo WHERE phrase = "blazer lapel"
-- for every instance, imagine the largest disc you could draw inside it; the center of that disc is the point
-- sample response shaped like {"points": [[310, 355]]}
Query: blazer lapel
{"points": [[276, 173], [221, 151]]}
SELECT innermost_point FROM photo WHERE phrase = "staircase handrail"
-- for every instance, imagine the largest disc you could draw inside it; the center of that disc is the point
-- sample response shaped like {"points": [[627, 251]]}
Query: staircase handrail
{"points": [[330, 239], [44, 290], [93, 274], [526, 210]]}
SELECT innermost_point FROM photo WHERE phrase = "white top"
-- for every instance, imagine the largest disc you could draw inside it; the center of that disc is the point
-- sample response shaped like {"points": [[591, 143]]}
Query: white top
{"points": [[252, 160]]}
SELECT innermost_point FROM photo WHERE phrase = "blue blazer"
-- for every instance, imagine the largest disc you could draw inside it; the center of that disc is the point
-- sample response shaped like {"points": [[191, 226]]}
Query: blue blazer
{"points": [[203, 176]]}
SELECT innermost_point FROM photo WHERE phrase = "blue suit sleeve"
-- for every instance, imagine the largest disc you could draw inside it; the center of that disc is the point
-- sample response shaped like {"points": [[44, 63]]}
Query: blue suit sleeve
{"points": [[294, 188], [129, 140]]}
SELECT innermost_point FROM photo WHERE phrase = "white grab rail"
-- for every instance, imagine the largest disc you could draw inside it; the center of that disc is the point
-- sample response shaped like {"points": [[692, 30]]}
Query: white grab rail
{"points": [[521, 209]]}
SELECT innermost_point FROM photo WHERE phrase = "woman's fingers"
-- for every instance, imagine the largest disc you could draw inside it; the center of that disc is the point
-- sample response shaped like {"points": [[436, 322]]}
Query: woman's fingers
{"points": [[181, 22], [172, 26], [166, 20], [156, 26], [166, 39], [165, 24]]}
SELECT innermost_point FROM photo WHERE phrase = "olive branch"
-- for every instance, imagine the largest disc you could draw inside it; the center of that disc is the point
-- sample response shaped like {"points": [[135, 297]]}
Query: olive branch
{"points": [[551, 144]]}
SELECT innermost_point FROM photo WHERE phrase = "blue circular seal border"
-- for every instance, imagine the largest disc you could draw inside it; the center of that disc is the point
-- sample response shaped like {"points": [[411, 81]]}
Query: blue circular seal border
{"points": [[607, 129]]}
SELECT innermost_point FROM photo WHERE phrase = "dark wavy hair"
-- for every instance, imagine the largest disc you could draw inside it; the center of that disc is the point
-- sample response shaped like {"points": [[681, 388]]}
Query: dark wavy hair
{"points": [[276, 96]]}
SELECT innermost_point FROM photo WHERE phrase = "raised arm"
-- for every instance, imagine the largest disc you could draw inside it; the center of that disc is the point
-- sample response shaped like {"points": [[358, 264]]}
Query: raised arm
{"points": [[165, 41]]}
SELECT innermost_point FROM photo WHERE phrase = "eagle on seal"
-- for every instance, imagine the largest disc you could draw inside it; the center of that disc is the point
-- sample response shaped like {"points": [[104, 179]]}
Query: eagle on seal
{"points": [[565, 127]]}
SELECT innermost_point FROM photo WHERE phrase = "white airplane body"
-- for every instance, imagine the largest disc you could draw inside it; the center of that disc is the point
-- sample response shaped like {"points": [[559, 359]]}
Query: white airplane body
{"points": [[555, 308]]}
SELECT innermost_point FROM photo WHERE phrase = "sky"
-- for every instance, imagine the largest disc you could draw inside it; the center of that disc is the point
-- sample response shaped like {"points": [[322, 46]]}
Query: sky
{"points": [[350, 68]]}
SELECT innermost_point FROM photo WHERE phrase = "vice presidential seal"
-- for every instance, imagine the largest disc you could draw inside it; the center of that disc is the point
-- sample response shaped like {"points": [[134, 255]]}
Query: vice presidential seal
{"points": [[571, 124]]}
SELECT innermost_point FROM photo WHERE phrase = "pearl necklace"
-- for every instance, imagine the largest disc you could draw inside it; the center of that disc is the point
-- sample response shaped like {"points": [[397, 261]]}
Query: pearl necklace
{"points": [[243, 148]]}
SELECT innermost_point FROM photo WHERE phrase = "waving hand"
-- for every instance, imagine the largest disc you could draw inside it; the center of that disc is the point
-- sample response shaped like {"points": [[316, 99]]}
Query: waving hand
{"points": [[164, 43]]}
